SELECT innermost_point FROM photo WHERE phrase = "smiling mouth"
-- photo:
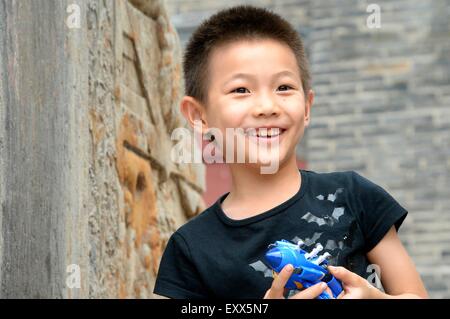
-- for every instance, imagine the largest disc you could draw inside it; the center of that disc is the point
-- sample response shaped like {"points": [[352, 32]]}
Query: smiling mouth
{"points": [[265, 133]]}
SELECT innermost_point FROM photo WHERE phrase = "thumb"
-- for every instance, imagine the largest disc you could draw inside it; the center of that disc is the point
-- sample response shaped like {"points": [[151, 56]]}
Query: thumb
{"points": [[344, 275], [311, 292]]}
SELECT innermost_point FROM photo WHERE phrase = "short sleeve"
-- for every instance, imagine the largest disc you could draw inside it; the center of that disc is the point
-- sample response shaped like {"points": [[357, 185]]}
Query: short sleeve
{"points": [[177, 276], [378, 211]]}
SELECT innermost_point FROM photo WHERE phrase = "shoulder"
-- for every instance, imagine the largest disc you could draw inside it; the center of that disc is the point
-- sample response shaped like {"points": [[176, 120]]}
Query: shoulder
{"points": [[353, 186], [350, 178], [197, 224], [337, 178]]}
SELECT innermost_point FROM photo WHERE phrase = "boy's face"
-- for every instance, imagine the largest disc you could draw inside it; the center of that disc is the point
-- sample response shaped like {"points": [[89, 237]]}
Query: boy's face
{"points": [[259, 99]]}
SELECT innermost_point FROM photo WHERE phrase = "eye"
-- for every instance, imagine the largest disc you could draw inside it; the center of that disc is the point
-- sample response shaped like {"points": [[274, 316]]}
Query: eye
{"points": [[285, 86], [243, 90], [239, 90]]}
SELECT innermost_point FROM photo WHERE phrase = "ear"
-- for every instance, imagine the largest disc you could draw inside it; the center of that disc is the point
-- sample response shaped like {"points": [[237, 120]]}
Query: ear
{"points": [[194, 112], [308, 105]]}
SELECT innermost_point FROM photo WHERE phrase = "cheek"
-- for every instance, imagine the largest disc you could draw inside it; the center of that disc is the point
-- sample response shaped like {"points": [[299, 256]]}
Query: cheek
{"points": [[222, 121], [296, 113], [233, 116]]}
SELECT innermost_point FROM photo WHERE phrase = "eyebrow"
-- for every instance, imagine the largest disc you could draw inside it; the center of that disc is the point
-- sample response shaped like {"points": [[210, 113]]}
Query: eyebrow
{"points": [[250, 76]]}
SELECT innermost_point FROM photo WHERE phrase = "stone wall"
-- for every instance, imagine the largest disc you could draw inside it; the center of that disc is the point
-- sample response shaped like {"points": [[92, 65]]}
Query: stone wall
{"points": [[86, 177], [43, 143], [141, 195]]}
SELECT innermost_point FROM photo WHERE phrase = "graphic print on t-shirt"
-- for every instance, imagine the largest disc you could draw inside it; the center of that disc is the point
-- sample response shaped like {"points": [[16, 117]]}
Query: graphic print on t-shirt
{"points": [[325, 222]]}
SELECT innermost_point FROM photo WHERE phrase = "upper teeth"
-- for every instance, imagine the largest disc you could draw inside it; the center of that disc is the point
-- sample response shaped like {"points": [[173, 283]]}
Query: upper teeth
{"points": [[263, 131]]}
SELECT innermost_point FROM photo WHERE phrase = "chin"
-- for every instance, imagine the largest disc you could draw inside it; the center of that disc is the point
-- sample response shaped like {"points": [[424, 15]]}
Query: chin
{"points": [[269, 163]]}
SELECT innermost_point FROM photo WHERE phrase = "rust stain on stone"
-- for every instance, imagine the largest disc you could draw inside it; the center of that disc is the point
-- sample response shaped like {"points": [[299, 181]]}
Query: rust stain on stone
{"points": [[127, 132], [96, 126], [135, 175], [143, 206], [122, 290], [176, 79], [117, 93], [107, 43], [133, 35], [137, 290], [148, 261]]}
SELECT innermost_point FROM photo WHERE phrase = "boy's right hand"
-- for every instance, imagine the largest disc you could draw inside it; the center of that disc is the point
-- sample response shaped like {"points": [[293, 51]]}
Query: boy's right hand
{"points": [[276, 291]]}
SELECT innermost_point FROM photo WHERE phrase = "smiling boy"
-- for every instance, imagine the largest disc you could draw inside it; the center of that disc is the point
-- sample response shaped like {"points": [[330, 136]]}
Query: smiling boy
{"points": [[245, 67]]}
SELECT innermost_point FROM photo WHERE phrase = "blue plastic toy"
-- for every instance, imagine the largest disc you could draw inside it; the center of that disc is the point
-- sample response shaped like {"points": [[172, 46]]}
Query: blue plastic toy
{"points": [[309, 269]]}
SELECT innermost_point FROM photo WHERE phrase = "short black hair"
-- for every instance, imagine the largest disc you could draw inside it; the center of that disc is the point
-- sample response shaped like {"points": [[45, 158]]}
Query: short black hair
{"points": [[235, 24]]}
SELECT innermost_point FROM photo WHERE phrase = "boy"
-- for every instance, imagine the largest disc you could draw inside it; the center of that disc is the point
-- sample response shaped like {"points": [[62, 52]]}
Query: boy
{"points": [[245, 67]]}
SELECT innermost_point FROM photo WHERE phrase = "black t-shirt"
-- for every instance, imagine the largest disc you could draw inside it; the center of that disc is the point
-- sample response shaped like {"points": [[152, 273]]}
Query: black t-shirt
{"points": [[213, 256]]}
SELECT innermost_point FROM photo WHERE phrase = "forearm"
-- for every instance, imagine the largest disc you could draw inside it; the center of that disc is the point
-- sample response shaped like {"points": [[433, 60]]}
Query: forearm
{"points": [[382, 295]]}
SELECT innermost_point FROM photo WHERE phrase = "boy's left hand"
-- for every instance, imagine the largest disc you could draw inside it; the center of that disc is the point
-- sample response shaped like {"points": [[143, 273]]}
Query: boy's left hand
{"points": [[355, 286]]}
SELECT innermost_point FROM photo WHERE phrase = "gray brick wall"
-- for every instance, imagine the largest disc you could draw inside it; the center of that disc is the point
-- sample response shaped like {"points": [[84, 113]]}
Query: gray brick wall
{"points": [[382, 109], [382, 106]]}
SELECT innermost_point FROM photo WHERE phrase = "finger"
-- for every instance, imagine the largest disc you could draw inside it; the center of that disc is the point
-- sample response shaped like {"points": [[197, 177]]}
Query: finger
{"points": [[311, 292], [277, 288], [329, 292], [341, 295], [344, 275]]}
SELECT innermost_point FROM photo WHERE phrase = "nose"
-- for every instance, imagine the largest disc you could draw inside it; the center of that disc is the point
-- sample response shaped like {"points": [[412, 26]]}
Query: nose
{"points": [[266, 107]]}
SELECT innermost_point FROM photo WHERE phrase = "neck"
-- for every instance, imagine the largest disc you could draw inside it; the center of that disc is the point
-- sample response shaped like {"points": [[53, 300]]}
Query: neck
{"points": [[252, 192]]}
